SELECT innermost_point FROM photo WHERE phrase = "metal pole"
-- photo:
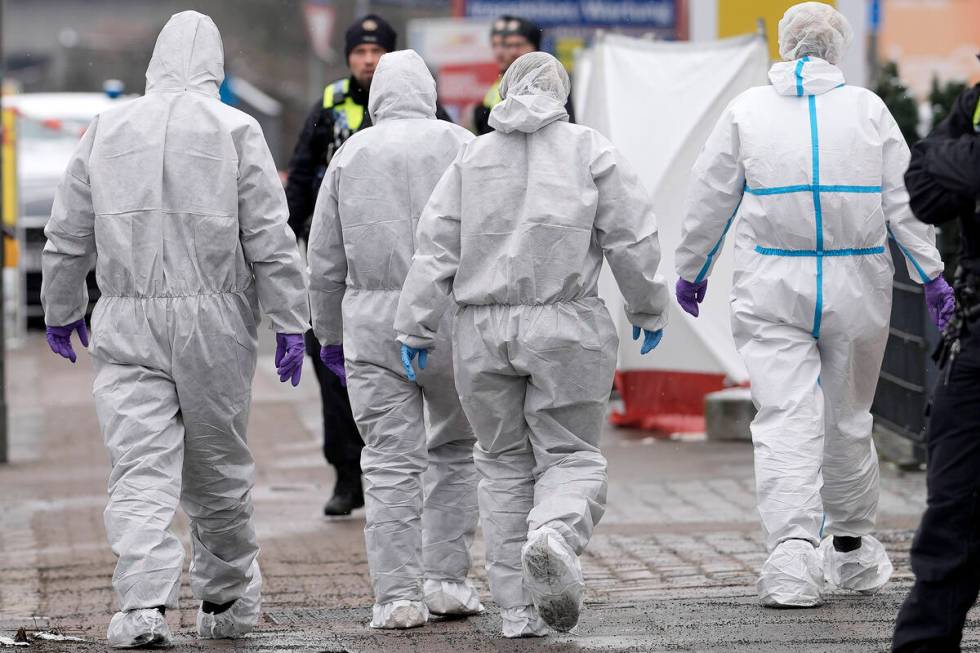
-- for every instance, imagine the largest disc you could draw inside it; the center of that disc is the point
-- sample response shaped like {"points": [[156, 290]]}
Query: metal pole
{"points": [[4, 450], [874, 63]]}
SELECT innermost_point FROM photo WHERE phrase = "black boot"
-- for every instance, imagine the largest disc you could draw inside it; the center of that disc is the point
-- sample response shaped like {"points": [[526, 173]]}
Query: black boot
{"points": [[347, 494]]}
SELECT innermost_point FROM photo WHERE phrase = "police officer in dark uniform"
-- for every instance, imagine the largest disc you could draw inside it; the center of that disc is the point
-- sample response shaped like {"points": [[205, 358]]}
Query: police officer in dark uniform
{"points": [[943, 181], [339, 113], [510, 37]]}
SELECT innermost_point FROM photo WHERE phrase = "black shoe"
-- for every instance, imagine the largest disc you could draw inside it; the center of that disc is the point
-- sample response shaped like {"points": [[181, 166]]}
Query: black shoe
{"points": [[343, 503], [348, 494], [215, 608]]}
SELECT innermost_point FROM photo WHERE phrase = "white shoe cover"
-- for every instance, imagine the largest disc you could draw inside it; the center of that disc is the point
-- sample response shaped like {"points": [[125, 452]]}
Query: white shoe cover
{"points": [[142, 628], [444, 597], [792, 577], [399, 614], [865, 569], [238, 620], [523, 622], [553, 577]]}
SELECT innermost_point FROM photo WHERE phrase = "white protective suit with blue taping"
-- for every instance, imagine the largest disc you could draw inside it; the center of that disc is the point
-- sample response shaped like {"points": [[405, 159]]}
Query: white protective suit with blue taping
{"points": [[813, 171]]}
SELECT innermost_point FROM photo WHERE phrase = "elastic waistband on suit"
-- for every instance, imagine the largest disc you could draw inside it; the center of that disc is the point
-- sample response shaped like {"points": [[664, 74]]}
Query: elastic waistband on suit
{"points": [[179, 295], [805, 253], [578, 300]]}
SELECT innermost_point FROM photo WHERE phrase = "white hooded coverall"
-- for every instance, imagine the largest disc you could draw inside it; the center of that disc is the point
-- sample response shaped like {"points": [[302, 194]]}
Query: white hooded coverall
{"points": [[813, 170], [516, 230], [361, 246], [176, 199]]}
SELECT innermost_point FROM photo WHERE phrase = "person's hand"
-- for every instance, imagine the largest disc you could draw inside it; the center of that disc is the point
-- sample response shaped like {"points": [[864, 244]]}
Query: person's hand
{"points": [[408, 355], [689, 295], [650, 339], [59, 338], [333, 358], [940, 301], [290, 351]]}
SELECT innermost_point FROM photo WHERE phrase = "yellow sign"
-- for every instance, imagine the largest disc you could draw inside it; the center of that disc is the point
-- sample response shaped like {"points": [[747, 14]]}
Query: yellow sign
{"points": [[565, 50], [8, 152], [8, 184], [736, 17]]}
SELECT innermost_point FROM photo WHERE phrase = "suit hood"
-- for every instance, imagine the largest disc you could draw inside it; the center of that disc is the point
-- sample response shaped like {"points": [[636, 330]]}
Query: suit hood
{"points": [[806, 76], [402, 87], [188, 56]]}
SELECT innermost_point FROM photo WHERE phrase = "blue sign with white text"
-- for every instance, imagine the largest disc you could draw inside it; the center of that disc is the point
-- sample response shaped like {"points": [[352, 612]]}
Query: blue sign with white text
{"points": [[658, 14]]}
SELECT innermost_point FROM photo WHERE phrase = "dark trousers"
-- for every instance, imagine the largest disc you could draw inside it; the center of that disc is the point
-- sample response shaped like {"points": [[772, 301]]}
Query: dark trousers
{"points": [[342, 442], [946, 551]]}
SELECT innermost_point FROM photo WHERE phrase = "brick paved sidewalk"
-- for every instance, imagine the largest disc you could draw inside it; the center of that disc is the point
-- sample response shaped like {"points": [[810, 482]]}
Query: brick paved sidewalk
{"points": [[671, 567]]}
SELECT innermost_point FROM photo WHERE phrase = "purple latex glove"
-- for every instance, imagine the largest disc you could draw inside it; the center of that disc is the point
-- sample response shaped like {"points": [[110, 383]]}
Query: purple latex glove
{"points": [[333, 357], [940, 301], [290, 351], [59, 338], [689, 295]]}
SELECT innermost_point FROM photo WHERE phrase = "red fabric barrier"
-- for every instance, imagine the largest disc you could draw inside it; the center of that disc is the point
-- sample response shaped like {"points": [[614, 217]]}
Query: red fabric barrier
{"points": [[664, 401]]}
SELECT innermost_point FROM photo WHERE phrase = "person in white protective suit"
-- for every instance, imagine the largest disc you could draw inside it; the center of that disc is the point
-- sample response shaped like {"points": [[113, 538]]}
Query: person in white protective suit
{"points": [[361, 246], [516, 231], [176, 198], [813, 171]]}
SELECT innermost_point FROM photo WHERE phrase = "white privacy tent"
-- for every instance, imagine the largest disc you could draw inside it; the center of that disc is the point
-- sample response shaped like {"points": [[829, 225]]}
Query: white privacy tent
{"points": [[657, 102]]}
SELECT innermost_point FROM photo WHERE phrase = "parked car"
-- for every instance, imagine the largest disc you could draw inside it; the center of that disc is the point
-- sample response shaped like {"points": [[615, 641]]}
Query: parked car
{"points": [[49, 126]]}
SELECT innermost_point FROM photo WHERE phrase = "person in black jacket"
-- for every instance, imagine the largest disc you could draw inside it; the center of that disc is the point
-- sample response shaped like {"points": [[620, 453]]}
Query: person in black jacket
{"points": [[510, 38], [341, 111], [943, 181]]}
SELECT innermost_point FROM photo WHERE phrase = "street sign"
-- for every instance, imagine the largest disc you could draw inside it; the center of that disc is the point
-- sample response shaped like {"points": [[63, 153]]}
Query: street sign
{"points": [[320, 17], [442, 41], [650, 14]]}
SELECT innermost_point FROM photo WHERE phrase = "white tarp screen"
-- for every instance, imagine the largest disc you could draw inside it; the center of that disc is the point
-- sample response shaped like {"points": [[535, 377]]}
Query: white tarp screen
{"points": [[657, 102]]}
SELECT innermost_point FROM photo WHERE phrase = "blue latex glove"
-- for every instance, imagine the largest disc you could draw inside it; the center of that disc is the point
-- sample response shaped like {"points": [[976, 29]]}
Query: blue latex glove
{"points": [[689, 295], [650, 339], [940, 301], [408, 355], [59, 338], [333, 357], [290, 351]]}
